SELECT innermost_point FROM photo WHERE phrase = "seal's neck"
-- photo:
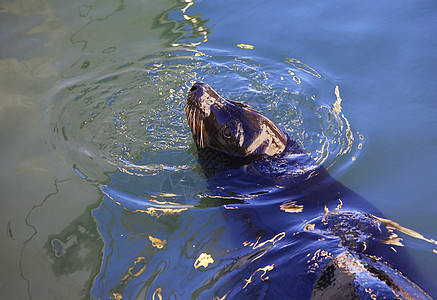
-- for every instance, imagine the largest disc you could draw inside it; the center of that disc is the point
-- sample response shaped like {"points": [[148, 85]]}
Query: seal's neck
{"points": [[215, 161], [291, 172]]}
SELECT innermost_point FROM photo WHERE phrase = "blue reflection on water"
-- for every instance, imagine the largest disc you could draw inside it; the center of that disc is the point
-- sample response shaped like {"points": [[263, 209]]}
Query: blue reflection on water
{"points": [[267, 240], [156, 225]]}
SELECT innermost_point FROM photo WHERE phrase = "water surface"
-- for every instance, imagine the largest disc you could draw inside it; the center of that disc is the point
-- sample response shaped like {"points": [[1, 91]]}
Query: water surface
{"points": [[101, 193]]}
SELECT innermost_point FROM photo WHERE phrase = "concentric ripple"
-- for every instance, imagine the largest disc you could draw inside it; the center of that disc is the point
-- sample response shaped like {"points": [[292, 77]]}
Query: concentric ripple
{"points": [[131, 117]]}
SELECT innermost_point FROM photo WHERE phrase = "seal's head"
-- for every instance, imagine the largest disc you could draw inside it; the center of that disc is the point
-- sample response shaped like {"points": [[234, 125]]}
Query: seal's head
{"points": [[231, 127]]}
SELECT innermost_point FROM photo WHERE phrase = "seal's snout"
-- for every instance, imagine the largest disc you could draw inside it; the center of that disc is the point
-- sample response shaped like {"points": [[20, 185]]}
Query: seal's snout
{"points": [[200, 97], [197, 110], [198, 89], [196, 86]]}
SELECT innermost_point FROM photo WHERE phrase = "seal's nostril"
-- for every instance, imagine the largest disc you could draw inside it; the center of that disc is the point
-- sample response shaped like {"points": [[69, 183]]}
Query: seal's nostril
{"points": [[193, 88]]}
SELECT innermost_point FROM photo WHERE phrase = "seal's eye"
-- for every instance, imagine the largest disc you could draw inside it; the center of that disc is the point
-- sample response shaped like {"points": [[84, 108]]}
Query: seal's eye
{"points": [[226, 132]]}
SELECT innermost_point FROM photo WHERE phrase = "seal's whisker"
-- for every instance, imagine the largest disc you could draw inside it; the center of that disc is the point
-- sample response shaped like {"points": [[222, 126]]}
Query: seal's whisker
{"points": [[190, 112], [194, 120], [195, 124], [201, 134], [190, 118]]}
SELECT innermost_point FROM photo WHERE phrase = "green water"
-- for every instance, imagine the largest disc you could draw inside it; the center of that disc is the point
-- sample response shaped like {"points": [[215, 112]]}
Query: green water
{"points": [[92, 93]]}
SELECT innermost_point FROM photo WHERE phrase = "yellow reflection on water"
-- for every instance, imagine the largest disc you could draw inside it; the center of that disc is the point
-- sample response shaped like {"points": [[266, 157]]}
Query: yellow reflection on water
{"points": [[203, 260], [349, 135], [158, 212], [189, 3], [301, 66], [155, 211], [264, 272], [169, 195], [340, 205], [291, 207], [338, 134], [136, 270], [157, 294], [195, 21], [117, 296], [245, 46], [139, 260], [157, 243], [222, 298], [273, 240], [297, 79]]}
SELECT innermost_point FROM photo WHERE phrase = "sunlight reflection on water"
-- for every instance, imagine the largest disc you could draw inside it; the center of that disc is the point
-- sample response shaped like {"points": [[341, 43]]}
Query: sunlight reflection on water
{"points": [[116, 205]]}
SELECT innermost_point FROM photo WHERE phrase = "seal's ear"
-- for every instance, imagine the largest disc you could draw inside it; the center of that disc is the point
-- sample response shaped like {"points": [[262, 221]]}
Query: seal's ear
{"points": [[241, 104]]}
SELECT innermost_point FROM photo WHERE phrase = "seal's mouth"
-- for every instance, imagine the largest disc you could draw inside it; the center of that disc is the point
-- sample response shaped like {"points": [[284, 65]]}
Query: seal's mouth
{"points": [[229, 126]]}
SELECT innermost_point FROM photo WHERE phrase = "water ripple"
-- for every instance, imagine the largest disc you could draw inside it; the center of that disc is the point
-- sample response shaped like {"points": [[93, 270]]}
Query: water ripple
{"points": [[131, 116]]}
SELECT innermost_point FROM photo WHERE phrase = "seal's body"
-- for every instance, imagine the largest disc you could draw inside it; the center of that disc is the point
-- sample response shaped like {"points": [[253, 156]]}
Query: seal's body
{"points": [[248, 158]]}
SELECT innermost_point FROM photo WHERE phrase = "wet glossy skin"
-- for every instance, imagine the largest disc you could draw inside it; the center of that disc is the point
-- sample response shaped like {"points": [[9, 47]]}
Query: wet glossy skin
{"points": [[268, 166], [230, 127]]}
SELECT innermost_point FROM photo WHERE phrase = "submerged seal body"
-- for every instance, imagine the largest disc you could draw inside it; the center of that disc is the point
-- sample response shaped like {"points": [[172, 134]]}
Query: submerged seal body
{"points": [[246, 156]]}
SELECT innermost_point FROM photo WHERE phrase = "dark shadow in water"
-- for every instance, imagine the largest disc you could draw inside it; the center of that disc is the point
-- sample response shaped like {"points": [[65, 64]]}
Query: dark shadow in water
{"points": [[78, 247]]}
